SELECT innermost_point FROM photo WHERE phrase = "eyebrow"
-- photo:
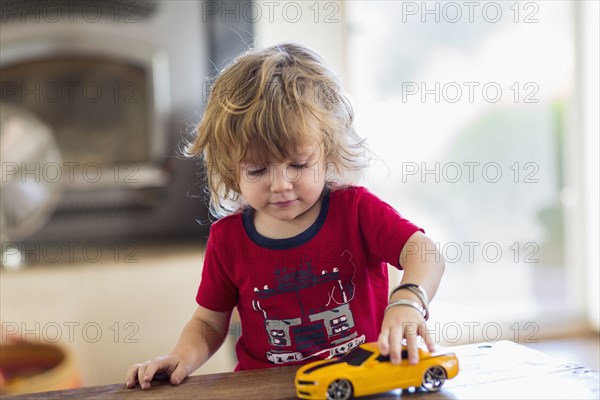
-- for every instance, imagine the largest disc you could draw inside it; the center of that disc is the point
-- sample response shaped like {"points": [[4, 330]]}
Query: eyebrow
{"points": [[246, 165]]}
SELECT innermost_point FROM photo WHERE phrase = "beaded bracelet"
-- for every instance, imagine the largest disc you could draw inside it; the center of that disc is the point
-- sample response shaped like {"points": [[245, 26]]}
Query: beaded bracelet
{"points": [[409, 303]]}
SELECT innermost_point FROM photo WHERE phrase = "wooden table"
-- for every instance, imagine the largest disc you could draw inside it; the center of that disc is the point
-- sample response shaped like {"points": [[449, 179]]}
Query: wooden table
{"points": [[500, 370]]}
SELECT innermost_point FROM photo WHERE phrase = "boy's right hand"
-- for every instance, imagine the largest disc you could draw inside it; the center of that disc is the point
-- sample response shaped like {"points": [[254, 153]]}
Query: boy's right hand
{"points": [[171, 366]]}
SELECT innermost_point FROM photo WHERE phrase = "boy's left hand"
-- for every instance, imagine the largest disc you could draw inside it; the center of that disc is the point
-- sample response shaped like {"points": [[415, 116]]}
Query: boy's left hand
{"points": [[400, 323]]}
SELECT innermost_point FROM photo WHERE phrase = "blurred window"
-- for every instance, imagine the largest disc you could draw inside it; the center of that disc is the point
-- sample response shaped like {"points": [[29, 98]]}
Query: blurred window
{"points": [[464, 104]]}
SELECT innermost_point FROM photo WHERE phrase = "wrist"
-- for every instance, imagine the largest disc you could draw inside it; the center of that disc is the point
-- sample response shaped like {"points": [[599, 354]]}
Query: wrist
{"points": [[408, 304], [406, 294]]}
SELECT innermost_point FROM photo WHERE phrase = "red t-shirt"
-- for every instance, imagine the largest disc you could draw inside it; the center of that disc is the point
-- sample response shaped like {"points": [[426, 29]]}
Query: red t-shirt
{"points": [[315, 295]]}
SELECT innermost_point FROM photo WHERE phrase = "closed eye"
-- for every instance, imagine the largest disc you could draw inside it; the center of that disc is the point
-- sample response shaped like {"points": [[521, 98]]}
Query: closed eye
{"points": [[256, 172], [298, 166]]}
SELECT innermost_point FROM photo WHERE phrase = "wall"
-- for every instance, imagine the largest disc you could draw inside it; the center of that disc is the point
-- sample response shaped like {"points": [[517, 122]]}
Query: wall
{"points": [[126, 308], [319, 25]]}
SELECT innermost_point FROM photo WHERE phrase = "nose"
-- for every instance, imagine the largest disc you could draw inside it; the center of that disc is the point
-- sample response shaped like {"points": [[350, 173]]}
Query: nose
{"points": [[280, 182]]}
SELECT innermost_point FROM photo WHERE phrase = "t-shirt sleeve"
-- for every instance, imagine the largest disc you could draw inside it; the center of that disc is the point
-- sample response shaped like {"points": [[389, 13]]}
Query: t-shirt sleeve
{"points": [[384, 231], [216, 291]]}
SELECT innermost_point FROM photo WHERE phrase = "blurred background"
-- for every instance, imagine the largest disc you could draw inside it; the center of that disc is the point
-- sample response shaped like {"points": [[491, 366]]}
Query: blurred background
{"points": [[482, 118]]}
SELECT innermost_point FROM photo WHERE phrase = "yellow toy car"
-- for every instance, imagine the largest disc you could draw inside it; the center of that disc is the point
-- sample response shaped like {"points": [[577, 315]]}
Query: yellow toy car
{"points": [[364, 371]]}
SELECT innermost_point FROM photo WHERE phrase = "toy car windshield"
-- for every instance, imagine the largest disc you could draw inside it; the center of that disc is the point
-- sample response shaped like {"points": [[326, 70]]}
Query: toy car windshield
{"points": [[356, 357]]}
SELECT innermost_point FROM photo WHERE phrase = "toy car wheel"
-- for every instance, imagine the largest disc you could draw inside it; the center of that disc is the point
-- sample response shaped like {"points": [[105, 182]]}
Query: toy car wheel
{"points": [[340, 389], [434, 378]]}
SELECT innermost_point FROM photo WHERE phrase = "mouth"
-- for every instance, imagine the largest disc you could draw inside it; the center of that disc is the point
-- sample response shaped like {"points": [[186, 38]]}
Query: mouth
{"points": [[284, 204]]}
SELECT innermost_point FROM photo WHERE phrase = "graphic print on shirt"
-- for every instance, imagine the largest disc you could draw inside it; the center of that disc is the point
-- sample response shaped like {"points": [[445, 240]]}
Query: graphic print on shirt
{"points": [[322, 324]]}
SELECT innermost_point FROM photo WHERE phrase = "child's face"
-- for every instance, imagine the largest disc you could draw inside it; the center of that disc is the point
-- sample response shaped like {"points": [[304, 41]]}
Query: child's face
{"points": [[286, 190]]}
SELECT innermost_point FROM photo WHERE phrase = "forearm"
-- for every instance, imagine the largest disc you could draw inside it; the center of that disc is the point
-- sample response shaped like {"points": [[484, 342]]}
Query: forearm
{"points": [[198, 341], [422, 264], [428, 276]]}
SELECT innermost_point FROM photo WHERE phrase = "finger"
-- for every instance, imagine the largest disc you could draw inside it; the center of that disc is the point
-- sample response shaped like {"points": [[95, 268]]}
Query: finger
{"points": [[412, 347], [152, 368], [427, 337], [395, 344], [383, 342], [131, 377], [178, 374], [141, 374], [160, 368]]}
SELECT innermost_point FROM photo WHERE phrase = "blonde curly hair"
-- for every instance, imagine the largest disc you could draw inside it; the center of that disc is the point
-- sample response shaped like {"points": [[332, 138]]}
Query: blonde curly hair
{"points": [[262, 107]]}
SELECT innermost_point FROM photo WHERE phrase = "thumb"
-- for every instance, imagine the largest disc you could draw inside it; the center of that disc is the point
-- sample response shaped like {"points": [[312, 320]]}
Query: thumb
{"points": [[178, 374]]}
